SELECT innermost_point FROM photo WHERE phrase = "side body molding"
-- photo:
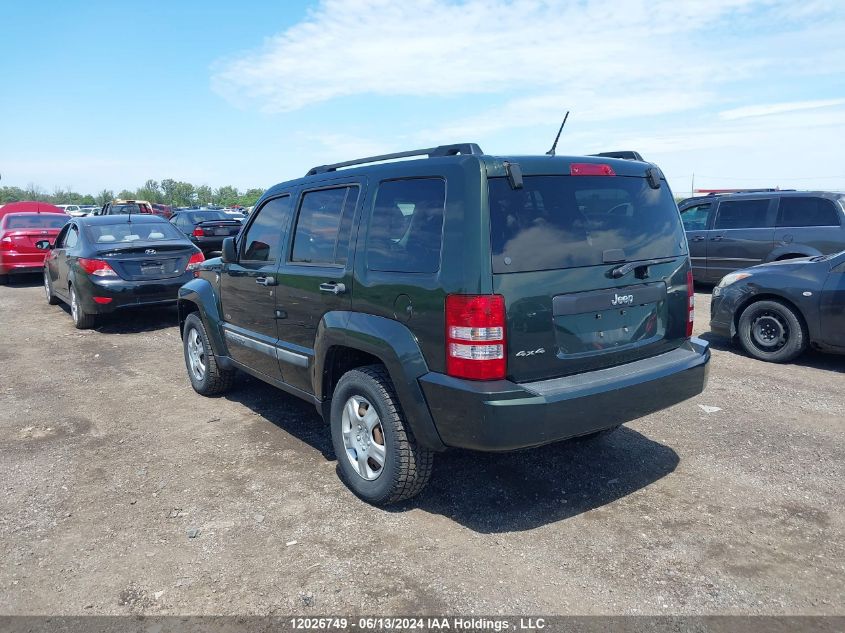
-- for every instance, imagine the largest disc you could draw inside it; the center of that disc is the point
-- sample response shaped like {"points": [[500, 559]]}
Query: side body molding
{"points": [[392, 343]]}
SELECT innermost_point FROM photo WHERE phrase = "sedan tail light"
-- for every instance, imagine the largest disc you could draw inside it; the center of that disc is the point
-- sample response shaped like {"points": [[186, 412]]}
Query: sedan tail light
{"points": [[6, 244], [195, 261], [198, 232], [96, 267], [475, 337]]}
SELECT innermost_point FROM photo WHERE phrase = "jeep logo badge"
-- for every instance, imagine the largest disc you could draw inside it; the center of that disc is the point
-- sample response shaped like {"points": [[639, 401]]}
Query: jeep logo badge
{"points": [[619, 300], [150, 251]]}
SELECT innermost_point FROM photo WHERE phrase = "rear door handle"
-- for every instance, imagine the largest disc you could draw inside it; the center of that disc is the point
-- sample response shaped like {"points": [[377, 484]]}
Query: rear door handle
{"points": [[698, 238], [265, 281], [333, 287], [718, 238]]}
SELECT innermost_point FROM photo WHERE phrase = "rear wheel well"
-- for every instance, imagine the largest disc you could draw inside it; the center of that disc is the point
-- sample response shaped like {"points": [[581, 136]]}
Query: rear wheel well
{"points": [[340, 360], [768, 297]]}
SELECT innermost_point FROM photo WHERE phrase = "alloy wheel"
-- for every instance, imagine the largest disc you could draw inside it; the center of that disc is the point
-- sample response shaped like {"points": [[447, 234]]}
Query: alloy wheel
{"points": [[196, 354], [363, 438]]}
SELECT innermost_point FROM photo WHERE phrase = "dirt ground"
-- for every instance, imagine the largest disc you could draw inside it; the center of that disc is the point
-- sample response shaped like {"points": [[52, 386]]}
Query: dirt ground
{"points": [[108, 460]]}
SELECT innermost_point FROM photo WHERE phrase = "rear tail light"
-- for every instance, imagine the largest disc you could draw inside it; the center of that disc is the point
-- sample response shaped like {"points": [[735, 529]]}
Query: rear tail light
{"points": [[6, 244], [198, 232], [590, 169], [475, 337], [195, 261], [690, 303], [96, 267]]}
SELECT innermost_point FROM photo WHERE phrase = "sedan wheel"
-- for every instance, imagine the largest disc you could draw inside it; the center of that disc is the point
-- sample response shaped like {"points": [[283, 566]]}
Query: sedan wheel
{"points": [[772, 331], [81, 319]]}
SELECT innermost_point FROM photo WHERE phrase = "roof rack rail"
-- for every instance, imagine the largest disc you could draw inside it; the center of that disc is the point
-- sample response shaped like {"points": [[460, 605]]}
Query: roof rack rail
{"points": [[626, 154], [442, 150]]}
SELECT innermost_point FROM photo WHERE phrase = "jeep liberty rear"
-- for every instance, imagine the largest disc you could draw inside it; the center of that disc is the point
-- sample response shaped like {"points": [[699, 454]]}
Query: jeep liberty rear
{"points": [[464, 301]]}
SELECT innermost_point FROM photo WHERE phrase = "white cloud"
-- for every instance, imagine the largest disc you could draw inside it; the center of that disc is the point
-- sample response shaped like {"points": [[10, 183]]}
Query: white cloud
{"points": [[381, 47], [769, 109]]}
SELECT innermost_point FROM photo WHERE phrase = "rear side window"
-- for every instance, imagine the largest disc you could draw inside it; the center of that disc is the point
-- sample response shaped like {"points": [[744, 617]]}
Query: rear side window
{"points": [[743, 214], [324, 225], [807, 212], [263, 238], [695, 217], [406, 227], [558, 222]]}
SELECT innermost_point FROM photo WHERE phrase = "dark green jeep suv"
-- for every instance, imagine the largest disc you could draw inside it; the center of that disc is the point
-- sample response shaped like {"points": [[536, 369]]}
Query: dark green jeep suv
{"points": [[454, 300]]}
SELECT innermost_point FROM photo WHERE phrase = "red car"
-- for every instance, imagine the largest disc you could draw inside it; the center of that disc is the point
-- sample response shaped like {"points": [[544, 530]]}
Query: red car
{"points": [[18, 234]]}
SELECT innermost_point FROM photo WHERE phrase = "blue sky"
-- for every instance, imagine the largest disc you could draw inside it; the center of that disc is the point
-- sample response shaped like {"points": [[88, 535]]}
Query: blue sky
{"points": [[107, 94]]}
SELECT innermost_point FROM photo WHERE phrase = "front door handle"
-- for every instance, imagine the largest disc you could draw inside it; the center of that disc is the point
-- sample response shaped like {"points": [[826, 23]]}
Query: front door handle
{"points": [[718, 238], [266, 281], [333, 287], [698, 238]]}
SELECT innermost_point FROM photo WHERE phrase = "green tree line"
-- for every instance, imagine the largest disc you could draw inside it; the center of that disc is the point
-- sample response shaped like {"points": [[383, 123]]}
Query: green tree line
{"points": [[173, 192]]}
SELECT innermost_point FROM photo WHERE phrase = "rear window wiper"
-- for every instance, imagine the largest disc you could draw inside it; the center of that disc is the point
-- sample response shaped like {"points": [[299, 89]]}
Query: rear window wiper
{"points": [[624, 269]]}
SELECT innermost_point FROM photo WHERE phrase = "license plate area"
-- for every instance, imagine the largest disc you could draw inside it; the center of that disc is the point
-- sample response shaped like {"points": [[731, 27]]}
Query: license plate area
{"points": [[606, 321], [222, 231]]}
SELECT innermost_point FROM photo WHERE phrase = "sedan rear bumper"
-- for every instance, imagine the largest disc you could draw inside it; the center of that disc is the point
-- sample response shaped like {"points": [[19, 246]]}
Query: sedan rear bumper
{"points": [[103, 296], [15, 262]]}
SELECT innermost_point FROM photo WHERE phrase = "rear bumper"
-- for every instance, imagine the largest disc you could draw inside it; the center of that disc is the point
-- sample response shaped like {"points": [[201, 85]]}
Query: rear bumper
{"points": [[129, 294], [14, 262], [502, 415]]}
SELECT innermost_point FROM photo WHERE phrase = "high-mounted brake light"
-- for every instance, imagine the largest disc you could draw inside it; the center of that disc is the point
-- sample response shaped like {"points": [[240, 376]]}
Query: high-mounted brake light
{"points": [[690, 303], [475, 337], [591, 169], [96, 267], [198, 232], [194, 262]]}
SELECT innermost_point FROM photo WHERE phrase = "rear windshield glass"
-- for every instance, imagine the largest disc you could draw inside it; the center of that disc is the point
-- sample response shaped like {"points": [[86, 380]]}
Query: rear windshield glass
{"points": [[36, 221], [569, 221], [204, 216], [126, 209], [133, 232]]}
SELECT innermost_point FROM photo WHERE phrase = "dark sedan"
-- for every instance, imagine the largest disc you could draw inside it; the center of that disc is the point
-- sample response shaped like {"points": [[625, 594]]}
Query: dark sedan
{"points": [[207, 228], [100, 264], [777, 310]]}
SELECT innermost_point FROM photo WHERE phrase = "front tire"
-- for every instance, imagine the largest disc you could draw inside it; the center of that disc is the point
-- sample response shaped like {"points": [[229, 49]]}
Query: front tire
{"points": [[378, 457], [52, 299], [772, 331], [81, 319], [206, 376]]}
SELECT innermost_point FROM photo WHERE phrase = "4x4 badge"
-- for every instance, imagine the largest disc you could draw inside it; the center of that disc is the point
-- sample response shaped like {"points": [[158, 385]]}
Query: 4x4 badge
{"points": [[531, 352]]}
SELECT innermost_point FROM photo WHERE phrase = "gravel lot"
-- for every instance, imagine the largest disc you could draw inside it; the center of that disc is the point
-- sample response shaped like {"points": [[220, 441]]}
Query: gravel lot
{"points": [[109, 460]]}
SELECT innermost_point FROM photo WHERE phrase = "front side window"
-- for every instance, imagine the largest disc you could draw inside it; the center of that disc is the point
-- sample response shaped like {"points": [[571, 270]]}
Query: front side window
{"points": [[796, 211], [262, 241], [743, 214], [406, 227], [324, 225], [72, 237], [695, 217]]}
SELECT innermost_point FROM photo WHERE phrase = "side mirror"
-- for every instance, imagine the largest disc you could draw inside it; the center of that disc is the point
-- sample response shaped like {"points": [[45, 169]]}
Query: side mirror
{"points": [[43, 245], [230, 252]]}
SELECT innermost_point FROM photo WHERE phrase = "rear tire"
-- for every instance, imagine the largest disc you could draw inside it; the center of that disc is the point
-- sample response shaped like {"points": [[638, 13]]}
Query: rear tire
{"points": [[4, 279], [52, 299], [377, 455], [772, 331], [81, 319], [206, 376]]}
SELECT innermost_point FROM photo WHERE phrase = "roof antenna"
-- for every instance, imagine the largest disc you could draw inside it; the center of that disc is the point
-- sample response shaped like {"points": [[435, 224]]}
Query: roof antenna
{"points": [[551, 152]]}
